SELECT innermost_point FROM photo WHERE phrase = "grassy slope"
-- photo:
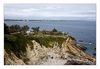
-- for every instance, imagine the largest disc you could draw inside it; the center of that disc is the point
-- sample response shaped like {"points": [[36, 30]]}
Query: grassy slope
{"points": [[17, 43], [46, 40]]}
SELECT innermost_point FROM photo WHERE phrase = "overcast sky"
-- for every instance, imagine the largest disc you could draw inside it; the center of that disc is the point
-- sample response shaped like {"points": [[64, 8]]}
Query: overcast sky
{"points": [[50, 11]]}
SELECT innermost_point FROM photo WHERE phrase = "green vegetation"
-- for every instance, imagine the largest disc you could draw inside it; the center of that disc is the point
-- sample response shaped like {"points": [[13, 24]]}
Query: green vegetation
{"points": [[24, 29], [54, 30], [35, 29], [46, 40], [72, 38], [16, 42], [6, 29], [15, 29]]}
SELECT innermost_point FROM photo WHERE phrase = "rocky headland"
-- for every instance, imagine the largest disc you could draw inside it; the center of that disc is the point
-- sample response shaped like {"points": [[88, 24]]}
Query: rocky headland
{"points": [[68, 53]]}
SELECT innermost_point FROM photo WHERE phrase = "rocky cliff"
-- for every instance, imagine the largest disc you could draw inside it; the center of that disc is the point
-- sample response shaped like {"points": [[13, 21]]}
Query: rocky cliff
{"points": [[67, 54]]}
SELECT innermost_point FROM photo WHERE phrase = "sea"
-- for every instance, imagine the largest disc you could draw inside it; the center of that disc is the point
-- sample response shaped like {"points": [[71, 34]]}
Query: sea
{"points": [[83, 31]]}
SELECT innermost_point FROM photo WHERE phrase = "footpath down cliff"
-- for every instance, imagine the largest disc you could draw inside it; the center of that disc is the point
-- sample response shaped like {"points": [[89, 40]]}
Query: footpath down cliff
{"points": [[66, 54]]}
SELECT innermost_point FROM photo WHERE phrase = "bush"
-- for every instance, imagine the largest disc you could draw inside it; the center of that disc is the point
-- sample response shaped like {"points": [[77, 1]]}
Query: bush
{"points": [[46, 40], [54, 30], [72, 38], [16, 43]]}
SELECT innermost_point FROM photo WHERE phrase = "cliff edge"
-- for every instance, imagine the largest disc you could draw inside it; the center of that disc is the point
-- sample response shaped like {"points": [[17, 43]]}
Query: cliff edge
{"points": [[36, 54]]}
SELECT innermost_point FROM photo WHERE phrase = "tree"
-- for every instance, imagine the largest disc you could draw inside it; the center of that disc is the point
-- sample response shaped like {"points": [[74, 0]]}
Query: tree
{"points": [[15, 28], [6, 29], [54, 30], [25, 28], [35, 29]]}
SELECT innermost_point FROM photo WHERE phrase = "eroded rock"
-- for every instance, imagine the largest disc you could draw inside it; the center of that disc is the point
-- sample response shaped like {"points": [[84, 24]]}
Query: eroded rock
{"points": [[40, 55]]}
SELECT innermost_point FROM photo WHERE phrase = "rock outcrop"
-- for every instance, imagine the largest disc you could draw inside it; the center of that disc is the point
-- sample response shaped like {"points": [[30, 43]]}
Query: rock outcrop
{"points": [[12, 59], [68, 54]]}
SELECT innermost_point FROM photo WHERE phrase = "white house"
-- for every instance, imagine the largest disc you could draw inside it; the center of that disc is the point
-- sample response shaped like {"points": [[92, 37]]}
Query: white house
{"points": [[29, 32]]}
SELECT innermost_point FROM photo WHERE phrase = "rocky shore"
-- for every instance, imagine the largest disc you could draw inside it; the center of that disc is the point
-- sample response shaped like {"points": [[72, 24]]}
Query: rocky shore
{"points": [[70, 53]]}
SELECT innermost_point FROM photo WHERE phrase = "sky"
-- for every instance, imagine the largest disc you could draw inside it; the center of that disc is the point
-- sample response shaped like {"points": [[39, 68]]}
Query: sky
{"points": [[50, 11]]}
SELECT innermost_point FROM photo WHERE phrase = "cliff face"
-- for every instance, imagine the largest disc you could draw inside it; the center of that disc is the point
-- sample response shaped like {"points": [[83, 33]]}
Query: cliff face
{"points": [[68, 54]]}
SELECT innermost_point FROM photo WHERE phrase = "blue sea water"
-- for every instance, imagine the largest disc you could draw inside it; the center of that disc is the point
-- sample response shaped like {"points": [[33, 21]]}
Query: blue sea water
{"points": [[83, 31]]}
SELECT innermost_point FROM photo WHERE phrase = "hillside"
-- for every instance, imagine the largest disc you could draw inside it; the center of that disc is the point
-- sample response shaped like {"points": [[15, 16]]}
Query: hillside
{"points": [[45, 51]]}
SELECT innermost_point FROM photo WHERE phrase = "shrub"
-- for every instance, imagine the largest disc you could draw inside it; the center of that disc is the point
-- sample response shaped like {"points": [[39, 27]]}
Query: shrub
{"points": [[46, 40], [16, 43], [54, 30], [72, 38]]}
